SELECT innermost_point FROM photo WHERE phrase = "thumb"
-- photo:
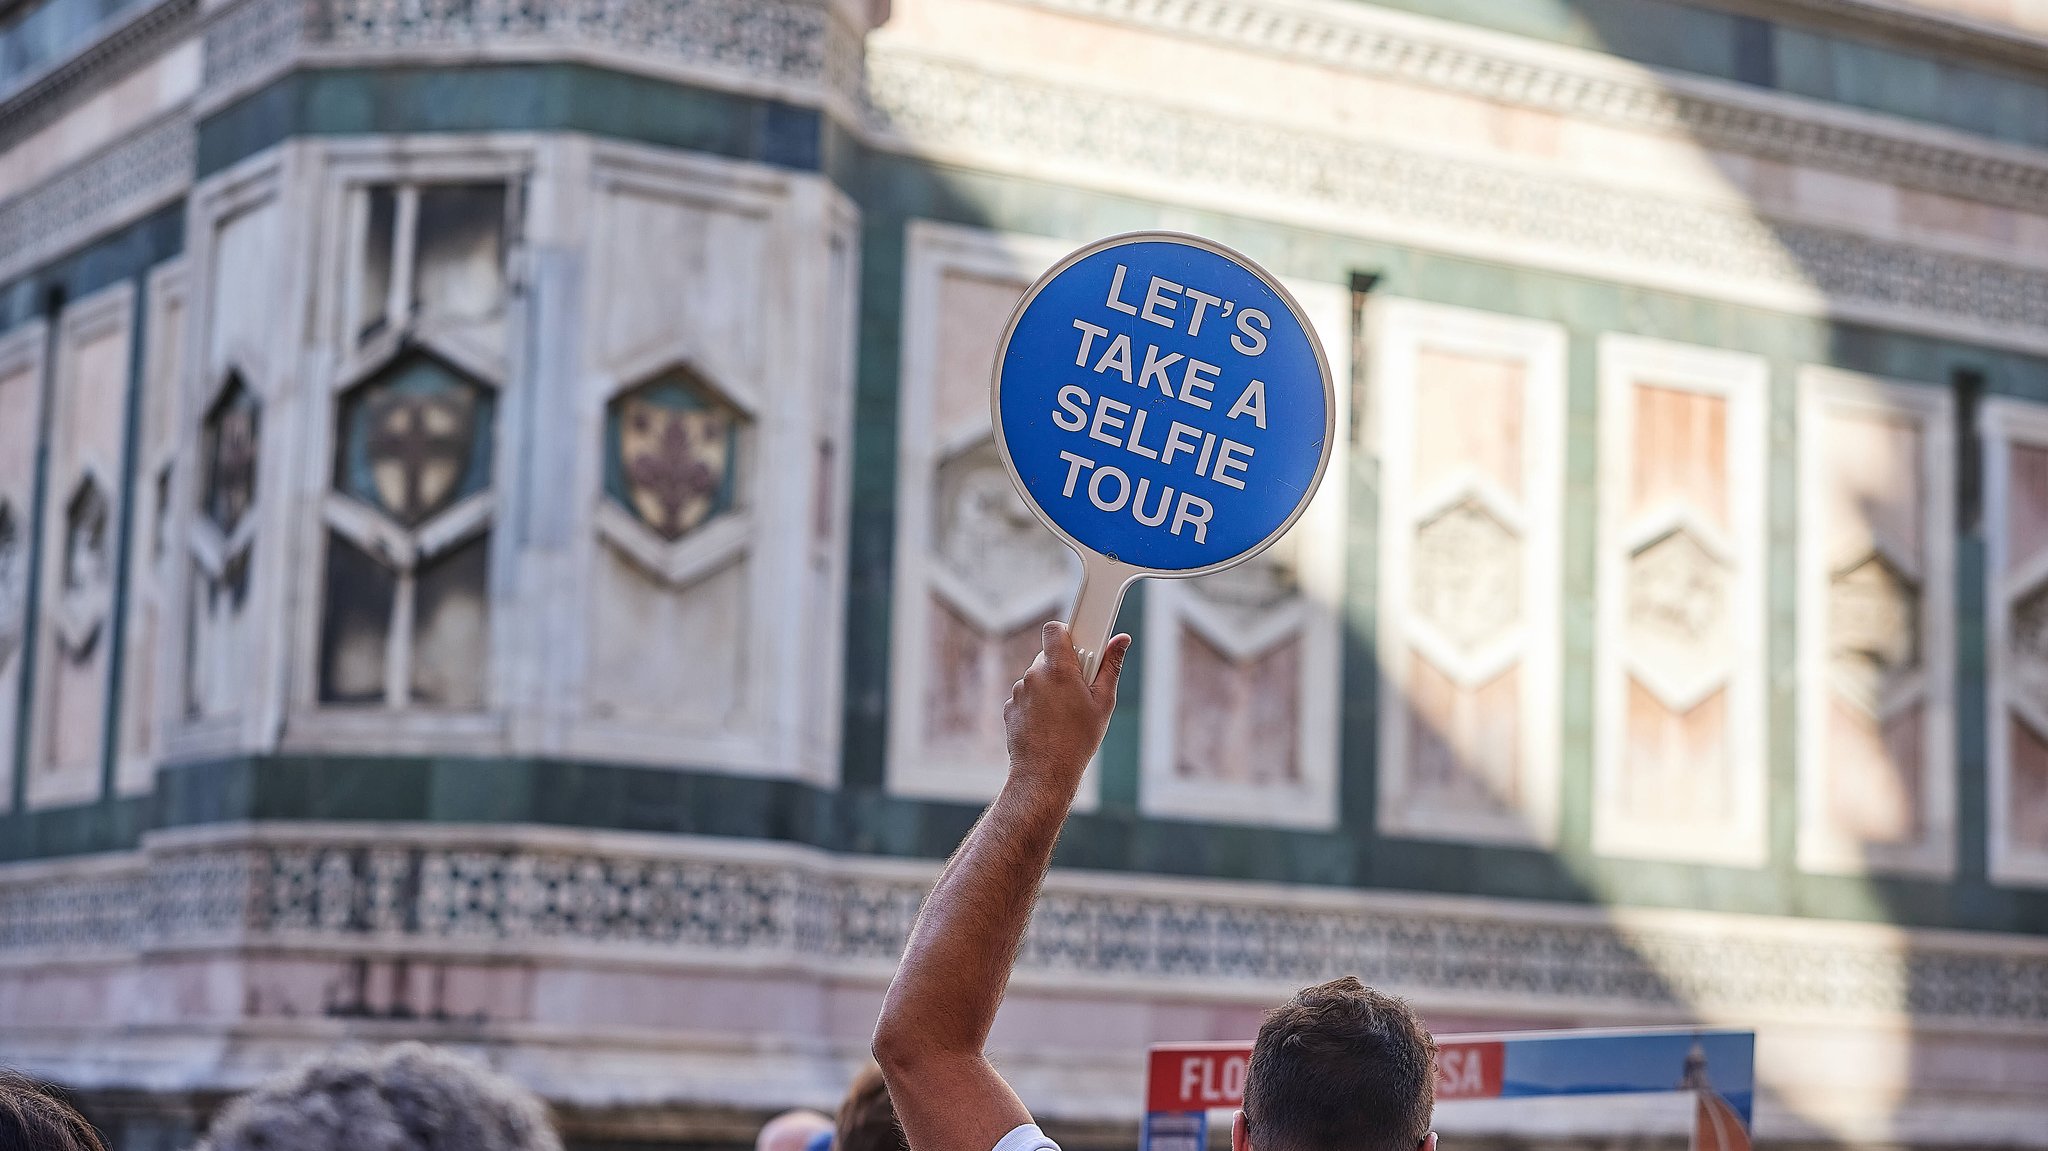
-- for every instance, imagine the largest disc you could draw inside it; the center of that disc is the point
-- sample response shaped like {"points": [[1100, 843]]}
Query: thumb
{"points": [[1112, 668]]}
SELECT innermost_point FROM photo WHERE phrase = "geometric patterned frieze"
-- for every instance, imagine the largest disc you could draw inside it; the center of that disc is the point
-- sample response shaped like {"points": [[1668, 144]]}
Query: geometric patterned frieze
{"points": [[789, 41], [125, 180], [499, 894]]}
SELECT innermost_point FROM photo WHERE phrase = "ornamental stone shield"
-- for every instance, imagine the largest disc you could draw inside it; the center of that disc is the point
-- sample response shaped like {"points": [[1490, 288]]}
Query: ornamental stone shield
{"points": [[86, 576], [230, 456], [675, 454], [415, 439]]}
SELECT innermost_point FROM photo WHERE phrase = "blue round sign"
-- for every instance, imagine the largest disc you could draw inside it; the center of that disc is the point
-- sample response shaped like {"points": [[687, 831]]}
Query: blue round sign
{"points": [[1163, 402]]}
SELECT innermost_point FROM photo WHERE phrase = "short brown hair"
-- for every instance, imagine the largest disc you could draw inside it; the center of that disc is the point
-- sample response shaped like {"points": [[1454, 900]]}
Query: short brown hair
{"points": [[867, 1120], [33, 1118], [1340, 1067]]}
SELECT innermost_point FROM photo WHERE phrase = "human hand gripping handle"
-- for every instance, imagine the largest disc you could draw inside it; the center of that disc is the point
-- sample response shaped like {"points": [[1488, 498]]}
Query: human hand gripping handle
{"points": [[956, 963], [1057, 714], [1103, 583]]}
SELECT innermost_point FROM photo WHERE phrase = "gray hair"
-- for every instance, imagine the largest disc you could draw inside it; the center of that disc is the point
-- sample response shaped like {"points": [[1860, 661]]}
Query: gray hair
{"points": [[404, 1098]]}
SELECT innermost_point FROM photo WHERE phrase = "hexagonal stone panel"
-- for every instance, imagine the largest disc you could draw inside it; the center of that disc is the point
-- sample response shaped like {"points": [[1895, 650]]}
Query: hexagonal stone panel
{"points": [[229, 455], [985, 534], [672, 453], [1874, 626], [1678, 613], [1467, 575], [2029, 641], [415, 438]]}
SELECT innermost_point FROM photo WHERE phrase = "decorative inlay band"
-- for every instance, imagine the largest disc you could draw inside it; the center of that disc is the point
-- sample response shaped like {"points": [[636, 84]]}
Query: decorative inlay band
{"points": [[664, 901], [142, 172], [786, 41]]}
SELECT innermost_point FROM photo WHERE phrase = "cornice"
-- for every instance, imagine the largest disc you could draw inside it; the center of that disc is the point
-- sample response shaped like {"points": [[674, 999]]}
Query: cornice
{"points": [[1586, 85], [1915, 25], [140, 37], [956, 111]]}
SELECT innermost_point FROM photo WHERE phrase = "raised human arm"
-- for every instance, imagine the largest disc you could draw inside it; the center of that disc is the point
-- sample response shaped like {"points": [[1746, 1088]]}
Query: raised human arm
{"points": [[936, 1017]]}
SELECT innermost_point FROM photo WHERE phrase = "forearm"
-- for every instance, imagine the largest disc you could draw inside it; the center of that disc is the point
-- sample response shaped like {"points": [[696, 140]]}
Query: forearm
{"points": [[936, 1017], [957, 961]]}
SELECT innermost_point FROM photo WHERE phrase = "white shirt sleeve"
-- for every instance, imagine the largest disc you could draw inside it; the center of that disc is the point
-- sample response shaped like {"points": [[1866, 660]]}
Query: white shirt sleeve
{"points": [[1026, 1138]]}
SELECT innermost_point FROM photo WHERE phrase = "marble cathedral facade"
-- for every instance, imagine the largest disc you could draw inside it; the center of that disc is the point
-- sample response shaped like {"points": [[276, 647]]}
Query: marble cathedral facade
{"points": [[500, 540]]}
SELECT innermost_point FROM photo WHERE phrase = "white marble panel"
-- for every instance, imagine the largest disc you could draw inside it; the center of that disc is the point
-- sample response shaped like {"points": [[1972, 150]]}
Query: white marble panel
{"points": [[2015, 522], [1679, 750], [976, 574], [1470, 439], [1876, 625], [1244, 668], [21, 396], [82, 506]]}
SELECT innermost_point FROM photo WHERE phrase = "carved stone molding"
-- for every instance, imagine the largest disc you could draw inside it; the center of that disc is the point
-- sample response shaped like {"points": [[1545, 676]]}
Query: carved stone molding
{"points": [[681, 900], [930, 103], [799, 44], [146, 170], [1716, 114], [136, 38]]}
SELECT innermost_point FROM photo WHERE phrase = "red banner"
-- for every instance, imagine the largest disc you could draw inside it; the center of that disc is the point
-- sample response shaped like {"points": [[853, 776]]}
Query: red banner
{"points": [[1196, 1077], [1469, 1070]]}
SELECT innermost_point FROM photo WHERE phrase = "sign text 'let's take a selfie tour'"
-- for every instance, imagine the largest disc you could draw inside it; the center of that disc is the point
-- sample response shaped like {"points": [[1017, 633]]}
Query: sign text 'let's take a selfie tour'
{"points": [[1164, 406]]}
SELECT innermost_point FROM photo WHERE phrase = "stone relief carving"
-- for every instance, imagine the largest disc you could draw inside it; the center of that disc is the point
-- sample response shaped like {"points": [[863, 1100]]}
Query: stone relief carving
{"points": [[985, 534], [1874, 621], [1468, 575], [1678, 615], [85, 582]]}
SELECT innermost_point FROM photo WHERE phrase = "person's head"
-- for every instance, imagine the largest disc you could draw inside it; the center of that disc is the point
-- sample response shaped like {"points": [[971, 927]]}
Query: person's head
{"points": [[867, 1120], [794, 1131], [34, 1119], [404, 1098], [1340, 1067]]}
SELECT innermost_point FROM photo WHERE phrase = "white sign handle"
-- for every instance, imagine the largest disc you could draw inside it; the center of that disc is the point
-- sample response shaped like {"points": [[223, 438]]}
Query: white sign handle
{"points": [[1103, 581]]}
